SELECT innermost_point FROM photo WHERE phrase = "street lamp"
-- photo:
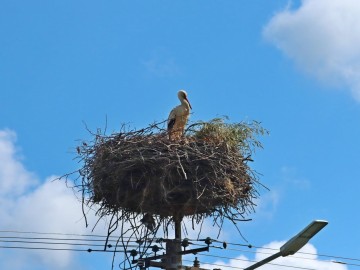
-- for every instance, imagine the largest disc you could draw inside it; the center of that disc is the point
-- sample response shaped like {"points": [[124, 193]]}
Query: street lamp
{"points": [[294, 244]]}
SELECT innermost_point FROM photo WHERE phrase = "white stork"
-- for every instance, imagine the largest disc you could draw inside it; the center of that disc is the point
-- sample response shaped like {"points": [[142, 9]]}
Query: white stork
{"points": [[178, 117]]}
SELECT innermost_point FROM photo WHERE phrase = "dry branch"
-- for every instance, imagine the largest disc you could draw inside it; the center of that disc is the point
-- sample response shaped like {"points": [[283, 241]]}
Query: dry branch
{"points": [[137, 173]]}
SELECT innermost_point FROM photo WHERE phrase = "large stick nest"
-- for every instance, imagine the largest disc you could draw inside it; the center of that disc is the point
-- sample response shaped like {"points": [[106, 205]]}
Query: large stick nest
{"points": [[141, 180], [143, 172]]}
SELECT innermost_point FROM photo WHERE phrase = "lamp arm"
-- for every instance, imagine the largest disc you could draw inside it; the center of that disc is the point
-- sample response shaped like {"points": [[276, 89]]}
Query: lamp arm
{"points": [[264, 261]]}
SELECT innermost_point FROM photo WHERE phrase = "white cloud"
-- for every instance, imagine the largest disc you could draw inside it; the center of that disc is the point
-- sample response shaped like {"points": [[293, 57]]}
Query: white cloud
{"points": [[51, 207], [323, 38], [309, 260], [26, 204], [14, 178]]}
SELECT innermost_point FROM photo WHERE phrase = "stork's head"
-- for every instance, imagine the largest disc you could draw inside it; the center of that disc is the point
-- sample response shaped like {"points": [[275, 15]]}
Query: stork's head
{"points": [[182, 95]]}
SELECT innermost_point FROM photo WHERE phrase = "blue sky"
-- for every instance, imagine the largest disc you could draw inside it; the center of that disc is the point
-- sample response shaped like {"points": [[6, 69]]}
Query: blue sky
{"points": [[293, 65]]}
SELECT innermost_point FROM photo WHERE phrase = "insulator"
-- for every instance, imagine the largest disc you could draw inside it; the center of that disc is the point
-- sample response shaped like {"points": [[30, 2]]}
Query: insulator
{"points": [[155, 248], [133, 253], [208, 241], [185, 242], [196, 262]]}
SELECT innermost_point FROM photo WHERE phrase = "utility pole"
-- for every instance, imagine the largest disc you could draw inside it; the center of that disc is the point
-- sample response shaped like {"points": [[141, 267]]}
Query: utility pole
{"points": [[172, 259]]}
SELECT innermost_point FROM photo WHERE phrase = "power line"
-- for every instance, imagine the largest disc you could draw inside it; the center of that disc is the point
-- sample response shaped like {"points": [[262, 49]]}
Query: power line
{"points": [[268, 253], [215, 264], [64, 234], [61, 249], [318, 254], [55, 239], [238, 259], [346, 263], [259, 252], [274, 249], [265, 253], [275, 264], [58, 243], [236, 267], [10, 238], [43, 243]]}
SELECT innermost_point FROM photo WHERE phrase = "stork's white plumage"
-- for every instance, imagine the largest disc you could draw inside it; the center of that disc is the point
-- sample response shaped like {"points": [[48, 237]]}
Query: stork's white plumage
{"points": [[178, 117]]}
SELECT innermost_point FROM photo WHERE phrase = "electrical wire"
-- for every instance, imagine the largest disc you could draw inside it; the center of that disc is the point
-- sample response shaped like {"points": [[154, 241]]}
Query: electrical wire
{"points": [[256, 252], [9, 238], [61, 249], [267, 253], [346, 263], [65, 234], [282, 265], [238, 259], [56, 239], [43, 243], [236, 267], [57, 243], [274, 249], [309, 253], [215, 264]]}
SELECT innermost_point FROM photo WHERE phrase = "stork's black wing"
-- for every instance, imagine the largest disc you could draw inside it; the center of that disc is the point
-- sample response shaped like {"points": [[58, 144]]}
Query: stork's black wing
{"points": [[171, 124]]}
